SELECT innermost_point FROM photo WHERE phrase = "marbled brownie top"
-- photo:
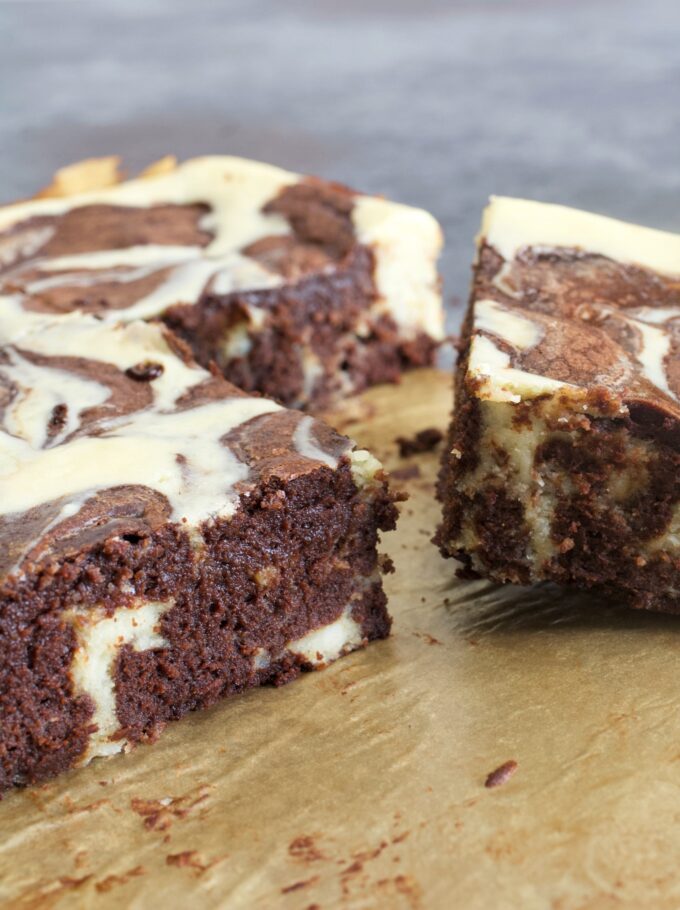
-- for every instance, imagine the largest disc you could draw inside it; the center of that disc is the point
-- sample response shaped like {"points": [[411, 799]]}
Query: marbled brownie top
{"points": [[211, 225], [113, 429], [569, 301]]}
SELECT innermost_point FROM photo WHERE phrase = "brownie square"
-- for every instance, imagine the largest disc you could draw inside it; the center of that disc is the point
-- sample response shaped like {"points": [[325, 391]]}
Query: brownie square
{"points": [[165, 540], [563, 458]]}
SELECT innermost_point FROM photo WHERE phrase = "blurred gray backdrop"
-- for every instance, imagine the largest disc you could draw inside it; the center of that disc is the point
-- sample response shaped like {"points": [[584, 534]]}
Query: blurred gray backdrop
{"points": [[434, 102]]}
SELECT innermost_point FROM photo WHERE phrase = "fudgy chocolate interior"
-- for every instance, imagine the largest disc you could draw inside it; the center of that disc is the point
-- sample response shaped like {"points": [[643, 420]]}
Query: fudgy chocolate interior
{"points": [[287, 562]]}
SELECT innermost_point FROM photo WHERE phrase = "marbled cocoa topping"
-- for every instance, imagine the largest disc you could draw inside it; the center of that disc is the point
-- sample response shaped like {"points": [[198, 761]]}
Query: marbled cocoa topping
{"points": [[583, 320], [246, 241], [165, 539], [567, 430]]}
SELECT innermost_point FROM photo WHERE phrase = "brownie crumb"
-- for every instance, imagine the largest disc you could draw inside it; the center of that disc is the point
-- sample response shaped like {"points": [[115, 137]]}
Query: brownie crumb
{"points": [[305, 849], [192, 860], [501, 775], [424, 441], [386, 564], [145, 372], [408, 473]]}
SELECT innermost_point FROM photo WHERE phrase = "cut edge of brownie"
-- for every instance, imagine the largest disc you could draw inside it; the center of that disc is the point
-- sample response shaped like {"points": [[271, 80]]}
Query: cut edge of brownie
{"points": [[142, 628]]}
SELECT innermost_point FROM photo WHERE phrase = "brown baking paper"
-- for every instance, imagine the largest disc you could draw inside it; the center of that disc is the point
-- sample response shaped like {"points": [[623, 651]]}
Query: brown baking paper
{"points": [[363, 786]]}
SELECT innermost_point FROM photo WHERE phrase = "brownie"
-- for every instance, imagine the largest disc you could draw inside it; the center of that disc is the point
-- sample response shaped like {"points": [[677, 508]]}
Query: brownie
{"points": [[298, 288], [563, 458], [165, 539]]}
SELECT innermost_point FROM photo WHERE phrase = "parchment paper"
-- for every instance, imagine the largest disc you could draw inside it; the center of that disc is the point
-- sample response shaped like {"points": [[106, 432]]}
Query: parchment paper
{"points": [[363, 786]]}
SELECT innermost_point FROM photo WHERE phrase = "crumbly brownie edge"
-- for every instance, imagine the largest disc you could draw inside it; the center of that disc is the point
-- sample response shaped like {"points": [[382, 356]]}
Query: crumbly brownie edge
{"points": [[220, 619], [460, 452], [623, 548]]}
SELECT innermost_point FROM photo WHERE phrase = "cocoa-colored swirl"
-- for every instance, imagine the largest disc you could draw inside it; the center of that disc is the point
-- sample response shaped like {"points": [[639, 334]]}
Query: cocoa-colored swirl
{"points": [[599, 323], [50, 261]]}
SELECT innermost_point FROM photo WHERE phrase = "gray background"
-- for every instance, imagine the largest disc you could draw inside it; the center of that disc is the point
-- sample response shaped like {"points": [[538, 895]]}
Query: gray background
{"points": [[432, 102]]}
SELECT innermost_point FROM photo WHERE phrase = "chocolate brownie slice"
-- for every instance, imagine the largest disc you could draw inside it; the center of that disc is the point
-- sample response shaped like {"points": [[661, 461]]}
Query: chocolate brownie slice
{"points": [[297, 288], [563, 460], [165, 539]]}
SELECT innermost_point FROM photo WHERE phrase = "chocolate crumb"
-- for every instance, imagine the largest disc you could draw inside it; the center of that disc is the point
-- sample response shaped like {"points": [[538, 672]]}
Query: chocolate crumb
{"points": [[146, 371], [386, 564], [424, 441], [502, 774], [426, 637], [407, 473], [304, 848], [192, 860]]}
